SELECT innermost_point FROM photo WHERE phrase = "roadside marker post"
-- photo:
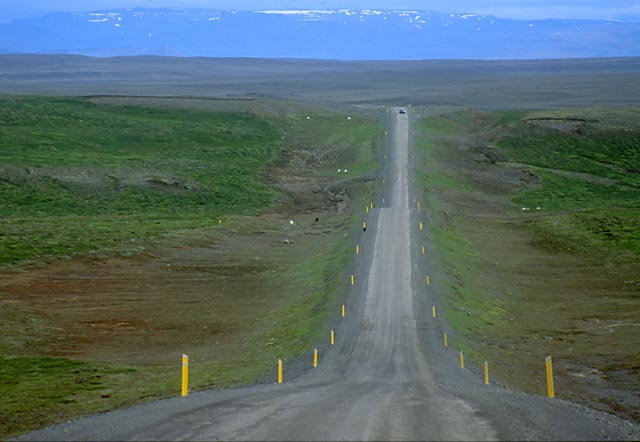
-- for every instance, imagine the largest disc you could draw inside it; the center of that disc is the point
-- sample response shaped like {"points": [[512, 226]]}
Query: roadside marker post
{"points": [[423, 250], [427, 279], [420, 225], [550, 390], [357, 249], [333, 337], [315, 358], [364, 225], [486, 373], [366, 209], [371, 204], [461, 359], [185, 375], [353, 279], [433, 311], [418, 206], [445, 340], [343, 310], [279, 371]]}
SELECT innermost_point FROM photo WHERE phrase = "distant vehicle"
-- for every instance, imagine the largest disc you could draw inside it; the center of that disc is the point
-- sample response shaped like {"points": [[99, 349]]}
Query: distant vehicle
{"points": [[402, 110]]}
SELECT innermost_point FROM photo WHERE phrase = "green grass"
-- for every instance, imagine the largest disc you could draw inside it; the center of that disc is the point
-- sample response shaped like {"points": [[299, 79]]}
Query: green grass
{"points": [[519, 285], [438, 130], [590, 170], [468, 308], [34, 389], [331, 138], [78, 177], [128, 172], [588, 180], [305, 324]]}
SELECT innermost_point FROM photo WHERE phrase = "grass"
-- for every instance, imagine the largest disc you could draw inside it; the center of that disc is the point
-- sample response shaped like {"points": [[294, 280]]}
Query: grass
{"points": [[35, 389], [589, 168], [562, 279], [103, 179], [120, 167]]}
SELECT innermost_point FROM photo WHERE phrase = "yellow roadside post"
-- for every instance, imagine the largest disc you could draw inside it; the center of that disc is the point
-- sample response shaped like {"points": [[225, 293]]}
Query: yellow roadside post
{"points": [[486, 373], [427, 280], [445, 340], [364, 225], [420, 225], [418, 206], [357, 249], [461, 360], [366, 209], [550, 390], [332, 337], [279, 371], [433, 311], [343, 310], [423, 250], [353, 279], [371, 203], [185, 375], [315, 358]]}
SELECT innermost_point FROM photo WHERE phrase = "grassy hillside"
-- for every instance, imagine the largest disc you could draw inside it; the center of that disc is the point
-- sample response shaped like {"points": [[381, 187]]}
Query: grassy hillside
{"points": [[131, 234], [588, 166], [77, 177], [537, 226]]}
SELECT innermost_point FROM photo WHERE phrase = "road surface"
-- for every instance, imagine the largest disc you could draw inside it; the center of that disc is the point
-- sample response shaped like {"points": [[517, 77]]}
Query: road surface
{"points": [[387, 378]]}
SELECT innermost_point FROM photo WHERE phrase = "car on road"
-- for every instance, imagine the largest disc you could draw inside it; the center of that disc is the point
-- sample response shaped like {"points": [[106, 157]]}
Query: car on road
{"points": [[402, 110]]}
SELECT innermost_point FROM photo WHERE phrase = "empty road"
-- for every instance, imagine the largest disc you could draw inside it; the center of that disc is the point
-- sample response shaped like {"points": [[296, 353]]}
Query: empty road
{"points": [[387, 378]]}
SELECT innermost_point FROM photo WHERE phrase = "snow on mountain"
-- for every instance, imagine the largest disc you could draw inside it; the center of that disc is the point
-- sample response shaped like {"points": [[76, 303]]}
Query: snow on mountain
{"points": [[292, 33]]}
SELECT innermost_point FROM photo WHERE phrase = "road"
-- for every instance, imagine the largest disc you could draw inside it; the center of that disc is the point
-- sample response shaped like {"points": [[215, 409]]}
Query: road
{"points": [[387, 378]]}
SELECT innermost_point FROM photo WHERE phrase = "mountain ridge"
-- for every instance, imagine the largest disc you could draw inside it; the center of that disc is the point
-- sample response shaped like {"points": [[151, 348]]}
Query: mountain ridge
{"points": [[345, 34]]}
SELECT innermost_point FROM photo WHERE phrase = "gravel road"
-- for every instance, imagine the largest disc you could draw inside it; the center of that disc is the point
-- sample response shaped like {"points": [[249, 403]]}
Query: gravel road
{"points": [[387, 378]]}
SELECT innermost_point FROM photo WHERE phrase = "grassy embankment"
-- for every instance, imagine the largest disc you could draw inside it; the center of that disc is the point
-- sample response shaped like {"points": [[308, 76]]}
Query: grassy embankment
{"points": [[81, 183], [559, 277]]}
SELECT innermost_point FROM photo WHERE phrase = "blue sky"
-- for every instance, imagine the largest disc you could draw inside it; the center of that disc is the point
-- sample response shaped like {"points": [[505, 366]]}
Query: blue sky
{"points": [[519, 9]]}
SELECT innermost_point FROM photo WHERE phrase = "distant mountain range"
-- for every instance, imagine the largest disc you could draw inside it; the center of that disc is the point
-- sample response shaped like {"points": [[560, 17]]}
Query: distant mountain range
{"points": [[330, 34]]}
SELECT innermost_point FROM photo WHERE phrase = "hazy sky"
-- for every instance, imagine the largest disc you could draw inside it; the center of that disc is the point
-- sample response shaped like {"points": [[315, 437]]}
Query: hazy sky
{"points": [[522, 9]]}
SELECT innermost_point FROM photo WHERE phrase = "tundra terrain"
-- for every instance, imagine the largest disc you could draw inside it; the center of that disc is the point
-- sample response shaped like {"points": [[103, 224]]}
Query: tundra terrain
{"points": [[158, 206]]}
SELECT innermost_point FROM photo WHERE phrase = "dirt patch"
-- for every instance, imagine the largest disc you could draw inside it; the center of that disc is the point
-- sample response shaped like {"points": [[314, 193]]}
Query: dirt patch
{"points": [[98, 178], [564, 125], [195, 296]]}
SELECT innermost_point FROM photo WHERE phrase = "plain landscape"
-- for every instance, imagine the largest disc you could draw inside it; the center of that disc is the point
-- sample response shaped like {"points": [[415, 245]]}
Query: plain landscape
{"points": [[158, 206]]}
